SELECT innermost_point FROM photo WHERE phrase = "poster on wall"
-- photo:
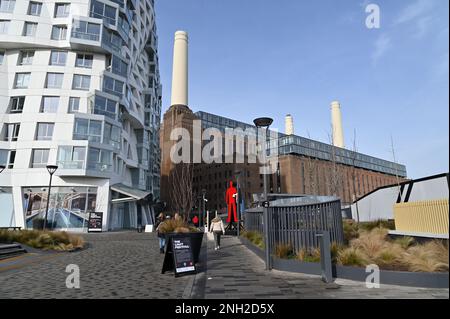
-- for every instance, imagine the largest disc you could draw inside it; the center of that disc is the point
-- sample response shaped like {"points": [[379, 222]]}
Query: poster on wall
{"points": [[95, 222]]}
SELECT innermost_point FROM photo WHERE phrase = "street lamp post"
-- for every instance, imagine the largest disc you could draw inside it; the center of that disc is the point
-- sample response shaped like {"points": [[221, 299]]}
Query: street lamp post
{"points": [[265, 122], [203, 206], [238, 199], [51, 170]]}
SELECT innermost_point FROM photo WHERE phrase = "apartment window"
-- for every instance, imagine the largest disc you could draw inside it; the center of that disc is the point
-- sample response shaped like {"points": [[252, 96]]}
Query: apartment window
{"points": [[84, 60], [34, 9], [39, 158], [7, 5], [71, 157], [26, 57], [29, 29], [58, 58], [12, 132], [12, 159], [99, 160], [103, 11], [44, 131], [49, 104], [112, 85], [81, 82], [86, 30], [59, 32], [85, 129], [62, 10], [54, 80], [111, 135], [74, 104], [22, 80], [16, 104], [119, 67], [104, 106], [2, 56], [4, 26]]}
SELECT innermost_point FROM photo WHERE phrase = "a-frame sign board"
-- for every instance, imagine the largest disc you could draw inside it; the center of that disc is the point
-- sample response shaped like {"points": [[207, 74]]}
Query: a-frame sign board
{"points": [[179, 256]]}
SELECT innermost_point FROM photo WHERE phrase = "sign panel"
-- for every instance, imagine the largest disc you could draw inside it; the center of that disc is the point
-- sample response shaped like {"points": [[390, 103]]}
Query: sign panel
{"points": [[183, 257], [95, 222]]}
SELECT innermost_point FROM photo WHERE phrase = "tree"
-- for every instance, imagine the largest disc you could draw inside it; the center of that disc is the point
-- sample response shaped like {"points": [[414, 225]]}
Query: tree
{"points": [[335, 174], [353, 158], [181, 193]]}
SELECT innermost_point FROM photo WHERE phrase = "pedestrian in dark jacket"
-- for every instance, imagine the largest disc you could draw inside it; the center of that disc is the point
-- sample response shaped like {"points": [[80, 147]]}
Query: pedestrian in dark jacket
{"points": [[161, 236]]}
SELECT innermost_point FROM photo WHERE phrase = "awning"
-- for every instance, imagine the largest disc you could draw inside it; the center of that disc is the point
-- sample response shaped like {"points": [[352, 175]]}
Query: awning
{"points": [[132, 193]]}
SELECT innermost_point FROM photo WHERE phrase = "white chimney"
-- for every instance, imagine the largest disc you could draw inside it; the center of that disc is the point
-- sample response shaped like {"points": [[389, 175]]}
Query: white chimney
{"points": [[289, 125], [336, 124], [180, 69]]}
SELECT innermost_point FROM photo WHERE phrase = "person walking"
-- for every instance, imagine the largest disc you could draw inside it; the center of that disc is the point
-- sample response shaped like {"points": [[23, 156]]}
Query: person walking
{"points": [[218, 230], [161, 236]]}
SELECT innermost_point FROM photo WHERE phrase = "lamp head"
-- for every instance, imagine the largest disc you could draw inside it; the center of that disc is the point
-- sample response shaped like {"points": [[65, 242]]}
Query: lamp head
{"points": [[51, 169], [263, 121]]}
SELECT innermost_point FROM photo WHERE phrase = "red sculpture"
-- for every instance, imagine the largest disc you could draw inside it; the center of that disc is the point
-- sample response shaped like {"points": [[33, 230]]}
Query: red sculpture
{"points": [[230, 199]]}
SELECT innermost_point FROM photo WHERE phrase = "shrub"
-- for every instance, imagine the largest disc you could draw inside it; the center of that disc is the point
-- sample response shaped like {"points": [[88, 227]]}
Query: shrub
{"points": [[255, 237], [176, 225], [405, 241], [284, 251], [351, 257], [350, 230], [380, 223], [46, 240], [430, 257], [312, 256]]}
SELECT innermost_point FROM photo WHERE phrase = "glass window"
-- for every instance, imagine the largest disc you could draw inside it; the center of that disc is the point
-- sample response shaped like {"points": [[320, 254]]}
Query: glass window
{"points": [[44, 131], [74, 104], [104, 106], [81, 82], [103, 11], [12, 132], [86, 30], [100, 160], [34, 9], [59, 32], [4, 26], [7, 5], [29, 29], [26, 57], [71, 157], [12, 159], [3, 156], [58, 58], [16, 104], [49, 104], [119, 67], [113, 86], [22, 80], [62, 10], [39, 158], [54, 80], [84, 60], [85, 129], [2, 56]]}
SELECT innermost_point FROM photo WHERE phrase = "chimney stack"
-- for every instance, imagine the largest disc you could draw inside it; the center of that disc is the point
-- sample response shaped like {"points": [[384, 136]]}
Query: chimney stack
{"points": [[180, 69], [336, 124], [289, 125]]}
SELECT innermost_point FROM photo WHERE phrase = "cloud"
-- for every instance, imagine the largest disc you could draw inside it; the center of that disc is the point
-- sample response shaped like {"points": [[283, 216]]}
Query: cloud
{"points": [[382, 45], [414, 11]]}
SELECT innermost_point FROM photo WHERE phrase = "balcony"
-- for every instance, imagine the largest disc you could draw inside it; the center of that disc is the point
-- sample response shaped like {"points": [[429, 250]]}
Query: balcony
{"points": [[85, 36], [108, 21]]}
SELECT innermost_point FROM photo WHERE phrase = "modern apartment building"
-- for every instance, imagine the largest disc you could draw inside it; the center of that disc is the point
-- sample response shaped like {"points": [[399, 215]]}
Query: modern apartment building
{"points": [[79, 88]]}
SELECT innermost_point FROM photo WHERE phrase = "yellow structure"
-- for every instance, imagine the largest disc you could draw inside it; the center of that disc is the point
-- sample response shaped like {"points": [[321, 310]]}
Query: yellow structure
{"points": [[429, 216]]}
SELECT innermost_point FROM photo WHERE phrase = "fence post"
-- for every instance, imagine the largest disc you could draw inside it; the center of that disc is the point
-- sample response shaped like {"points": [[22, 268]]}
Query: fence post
{"points": [[325, 256]]}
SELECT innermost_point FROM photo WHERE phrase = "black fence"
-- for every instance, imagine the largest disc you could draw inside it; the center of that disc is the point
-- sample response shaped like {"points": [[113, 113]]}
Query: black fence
{"points": [[298, 225]]}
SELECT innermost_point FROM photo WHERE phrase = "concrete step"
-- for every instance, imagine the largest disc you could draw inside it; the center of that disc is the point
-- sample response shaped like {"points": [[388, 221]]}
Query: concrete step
{"points": [[11, 250]]}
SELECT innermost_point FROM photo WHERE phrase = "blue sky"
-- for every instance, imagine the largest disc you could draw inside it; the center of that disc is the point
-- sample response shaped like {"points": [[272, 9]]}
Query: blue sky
{"points": [[268, 58]]}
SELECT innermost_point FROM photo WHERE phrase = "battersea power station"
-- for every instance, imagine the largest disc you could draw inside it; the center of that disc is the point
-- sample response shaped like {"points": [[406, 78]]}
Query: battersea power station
{"points": [[304, 166]]}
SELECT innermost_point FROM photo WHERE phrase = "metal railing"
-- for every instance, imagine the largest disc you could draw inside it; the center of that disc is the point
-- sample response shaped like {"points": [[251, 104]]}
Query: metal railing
{"points": [[297, 225], [85, 36], [429, 216]]}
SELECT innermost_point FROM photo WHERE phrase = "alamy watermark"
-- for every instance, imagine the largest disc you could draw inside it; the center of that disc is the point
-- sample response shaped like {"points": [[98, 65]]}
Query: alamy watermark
{"points": [[373, 279], [231, 145], [373, 20], [73, 279]]}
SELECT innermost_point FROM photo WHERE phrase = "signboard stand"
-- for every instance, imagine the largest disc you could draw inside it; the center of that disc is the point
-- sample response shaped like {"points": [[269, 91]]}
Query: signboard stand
{"points": [[95, 222], [179, 256]]}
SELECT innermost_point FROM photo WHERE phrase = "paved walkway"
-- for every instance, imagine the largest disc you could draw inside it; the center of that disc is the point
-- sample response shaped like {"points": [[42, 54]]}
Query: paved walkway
{"points": [[236, 272], [116, 265]]}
